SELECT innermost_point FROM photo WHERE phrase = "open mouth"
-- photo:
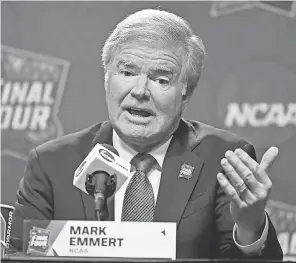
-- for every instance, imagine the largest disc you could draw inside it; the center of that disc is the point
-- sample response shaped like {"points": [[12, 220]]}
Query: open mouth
{"points": [[139, 112]]}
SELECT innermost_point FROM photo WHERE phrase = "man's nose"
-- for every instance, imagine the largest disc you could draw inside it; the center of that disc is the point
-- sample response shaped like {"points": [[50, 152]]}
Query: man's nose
{"points": [[141, 90]]}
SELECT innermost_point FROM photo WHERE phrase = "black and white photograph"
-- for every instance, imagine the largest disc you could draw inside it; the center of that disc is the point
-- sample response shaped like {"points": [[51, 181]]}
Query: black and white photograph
{"points": [[148, 131]]}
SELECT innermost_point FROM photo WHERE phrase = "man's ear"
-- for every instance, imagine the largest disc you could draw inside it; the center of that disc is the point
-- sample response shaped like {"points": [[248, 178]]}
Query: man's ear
{"points": [[185, 98], [106, 79]]}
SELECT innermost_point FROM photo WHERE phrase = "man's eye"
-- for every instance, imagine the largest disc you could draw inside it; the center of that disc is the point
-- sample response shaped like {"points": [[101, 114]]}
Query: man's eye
{"points": [[126, 73], [162, 81]]}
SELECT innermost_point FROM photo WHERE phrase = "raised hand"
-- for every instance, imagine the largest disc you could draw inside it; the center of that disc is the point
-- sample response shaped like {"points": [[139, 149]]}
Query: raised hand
{"points": [[248, 185]]}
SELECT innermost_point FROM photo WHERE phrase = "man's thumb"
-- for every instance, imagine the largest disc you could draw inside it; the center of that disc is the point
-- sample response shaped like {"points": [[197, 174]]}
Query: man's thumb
{"points": [[269, 157]]}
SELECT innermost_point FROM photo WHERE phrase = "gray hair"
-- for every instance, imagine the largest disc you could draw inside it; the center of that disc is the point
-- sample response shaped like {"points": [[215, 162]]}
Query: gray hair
{"points": [[161, 28]]}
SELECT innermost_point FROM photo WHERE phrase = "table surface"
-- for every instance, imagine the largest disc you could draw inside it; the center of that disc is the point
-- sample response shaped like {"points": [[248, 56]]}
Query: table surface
{"points": [[21, 257]]}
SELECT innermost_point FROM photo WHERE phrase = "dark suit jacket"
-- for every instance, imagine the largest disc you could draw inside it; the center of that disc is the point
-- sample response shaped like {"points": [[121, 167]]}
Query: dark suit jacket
{"points": [[198, 205]]}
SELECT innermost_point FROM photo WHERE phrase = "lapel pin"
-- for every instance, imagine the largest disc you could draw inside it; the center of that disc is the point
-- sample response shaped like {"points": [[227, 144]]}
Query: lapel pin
{"points": [[186, 171]]}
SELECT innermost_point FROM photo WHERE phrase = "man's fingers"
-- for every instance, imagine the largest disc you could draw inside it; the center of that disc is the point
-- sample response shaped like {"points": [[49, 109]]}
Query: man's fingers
{"points": [[254, 167], [230, 191], [230, 172], [241, 170], [233, 170], [269, 157]]}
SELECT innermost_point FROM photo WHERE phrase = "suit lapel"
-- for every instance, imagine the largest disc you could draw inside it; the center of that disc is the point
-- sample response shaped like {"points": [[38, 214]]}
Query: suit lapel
{"points": [[174, 192], [103, 136]]}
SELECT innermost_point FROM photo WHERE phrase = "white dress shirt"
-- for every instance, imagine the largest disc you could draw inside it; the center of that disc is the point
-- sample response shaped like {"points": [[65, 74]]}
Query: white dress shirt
{"points": [[154, 176]]}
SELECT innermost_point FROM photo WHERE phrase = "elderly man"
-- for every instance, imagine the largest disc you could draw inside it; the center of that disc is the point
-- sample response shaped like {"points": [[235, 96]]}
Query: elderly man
{"points": [[205, 179]]}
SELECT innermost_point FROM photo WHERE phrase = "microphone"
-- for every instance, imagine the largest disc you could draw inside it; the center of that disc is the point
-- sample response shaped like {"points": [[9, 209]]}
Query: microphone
{"points": [[100, 175], [101, 185]]}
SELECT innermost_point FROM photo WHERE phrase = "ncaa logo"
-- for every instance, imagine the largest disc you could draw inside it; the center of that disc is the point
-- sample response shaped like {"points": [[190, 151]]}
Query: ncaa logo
{"points": [[257, 100], [106, 155]]}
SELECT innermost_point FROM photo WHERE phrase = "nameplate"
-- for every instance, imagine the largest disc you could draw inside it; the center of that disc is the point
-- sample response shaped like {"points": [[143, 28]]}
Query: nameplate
{"points": [[103, 239]]}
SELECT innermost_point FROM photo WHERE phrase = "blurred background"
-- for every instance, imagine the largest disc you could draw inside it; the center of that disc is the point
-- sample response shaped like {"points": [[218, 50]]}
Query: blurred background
{"points": [[52, 81]]}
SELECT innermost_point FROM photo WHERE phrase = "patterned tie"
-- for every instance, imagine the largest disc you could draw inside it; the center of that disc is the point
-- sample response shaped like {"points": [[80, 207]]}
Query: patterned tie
{"points": [[138, 202]]}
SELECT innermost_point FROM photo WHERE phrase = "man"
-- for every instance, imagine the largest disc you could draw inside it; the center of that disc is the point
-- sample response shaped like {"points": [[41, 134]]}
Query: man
{"points": [[152, 63]]}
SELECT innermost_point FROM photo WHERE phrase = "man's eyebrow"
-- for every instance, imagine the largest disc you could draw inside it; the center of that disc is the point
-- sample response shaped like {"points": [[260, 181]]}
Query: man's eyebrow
{"points": [[126, 63], [163, 70], [157, 69]]}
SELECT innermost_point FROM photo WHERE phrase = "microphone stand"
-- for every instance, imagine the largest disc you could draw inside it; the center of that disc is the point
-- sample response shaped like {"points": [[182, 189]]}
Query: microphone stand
{"points": [[107, 190], [101, 209]]}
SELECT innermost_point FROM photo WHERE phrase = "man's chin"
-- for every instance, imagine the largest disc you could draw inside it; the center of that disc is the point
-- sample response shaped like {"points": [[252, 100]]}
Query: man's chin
{"points": [[135, 133], [141, 140]]}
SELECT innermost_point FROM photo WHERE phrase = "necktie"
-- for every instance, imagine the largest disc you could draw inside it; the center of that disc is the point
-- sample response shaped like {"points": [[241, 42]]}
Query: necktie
{"points": [[138, 202]]}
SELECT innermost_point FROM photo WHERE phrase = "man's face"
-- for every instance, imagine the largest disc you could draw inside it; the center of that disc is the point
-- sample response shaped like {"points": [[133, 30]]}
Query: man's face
{"points": [[144, 95]]}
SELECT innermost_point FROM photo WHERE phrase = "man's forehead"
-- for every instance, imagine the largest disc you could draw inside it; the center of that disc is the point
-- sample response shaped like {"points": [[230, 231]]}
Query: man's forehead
{"points": [[152, 57]]}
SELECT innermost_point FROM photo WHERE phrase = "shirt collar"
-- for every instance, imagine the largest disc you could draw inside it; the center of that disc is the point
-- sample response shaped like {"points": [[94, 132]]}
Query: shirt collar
{"points": [[127, 153]]}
